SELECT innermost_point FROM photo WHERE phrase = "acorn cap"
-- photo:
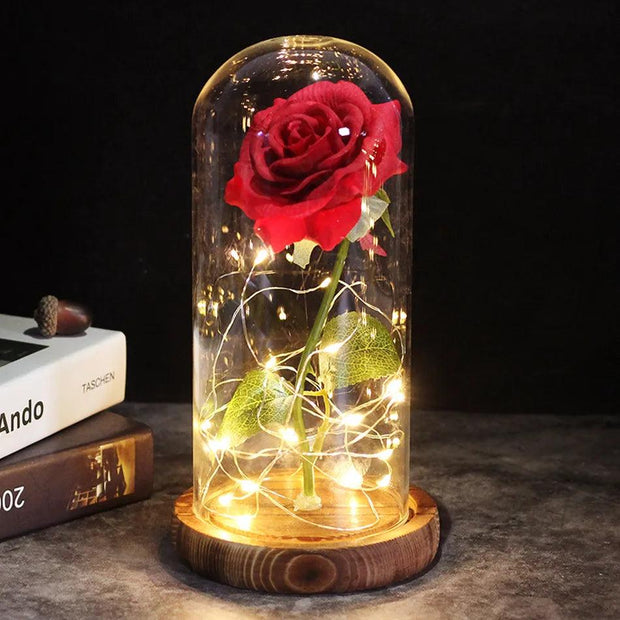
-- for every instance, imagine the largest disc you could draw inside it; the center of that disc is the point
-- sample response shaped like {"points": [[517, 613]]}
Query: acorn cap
{"points": [[46, 315]]}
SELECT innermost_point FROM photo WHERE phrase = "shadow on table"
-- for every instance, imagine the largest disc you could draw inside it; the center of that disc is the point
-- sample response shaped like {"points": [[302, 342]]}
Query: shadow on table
{"points": [[316, 603]]}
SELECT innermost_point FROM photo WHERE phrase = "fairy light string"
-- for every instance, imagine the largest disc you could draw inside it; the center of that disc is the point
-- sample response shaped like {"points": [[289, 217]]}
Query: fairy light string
{"points": [[324, 440]]}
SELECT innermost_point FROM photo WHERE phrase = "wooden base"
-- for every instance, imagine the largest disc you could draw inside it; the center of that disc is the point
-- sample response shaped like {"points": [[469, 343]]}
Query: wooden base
{"points": [[305, 566]]}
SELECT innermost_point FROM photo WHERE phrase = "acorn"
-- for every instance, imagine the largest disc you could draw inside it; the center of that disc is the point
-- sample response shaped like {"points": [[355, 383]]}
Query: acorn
{"points": [[61, 317]]}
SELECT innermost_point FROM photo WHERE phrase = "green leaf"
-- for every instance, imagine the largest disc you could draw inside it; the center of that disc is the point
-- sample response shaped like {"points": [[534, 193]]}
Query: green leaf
{"points": [[366, 351], [261, 399], [386, 220], [385, 216], [382, 195]]}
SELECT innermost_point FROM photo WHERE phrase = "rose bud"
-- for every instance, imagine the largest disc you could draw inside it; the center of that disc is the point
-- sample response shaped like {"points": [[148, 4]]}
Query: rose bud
{"points": [[61, 317]]}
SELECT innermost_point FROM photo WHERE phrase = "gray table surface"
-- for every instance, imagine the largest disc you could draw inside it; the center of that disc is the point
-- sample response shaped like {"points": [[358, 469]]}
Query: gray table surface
{"points": [[530, 529]]}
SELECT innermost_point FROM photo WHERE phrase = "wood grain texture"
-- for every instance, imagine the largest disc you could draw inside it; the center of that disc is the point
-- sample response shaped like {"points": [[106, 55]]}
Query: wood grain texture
{"points": [[307, 566]]}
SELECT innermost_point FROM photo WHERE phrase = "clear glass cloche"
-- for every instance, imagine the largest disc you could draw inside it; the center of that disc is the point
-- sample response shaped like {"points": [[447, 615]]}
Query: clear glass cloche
{"points": [[302, 235]]}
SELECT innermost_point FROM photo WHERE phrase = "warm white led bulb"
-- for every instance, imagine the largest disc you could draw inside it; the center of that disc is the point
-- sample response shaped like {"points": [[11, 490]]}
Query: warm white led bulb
{"points": [[261, 256], [394, 442], [332, 348], [248, 486], [384, 481], [219, 445], [289, 435], [352, 419], [350, 478], [226, 499], [244, 522], [205, 425], [394, 390]]}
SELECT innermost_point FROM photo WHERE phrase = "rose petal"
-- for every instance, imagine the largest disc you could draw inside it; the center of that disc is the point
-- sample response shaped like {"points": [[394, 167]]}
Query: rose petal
{"points": [[330, 226], [333, 94], [306, 162], [386, 124], [368, 243], [301, 188], [351, 120], [279, 231]]}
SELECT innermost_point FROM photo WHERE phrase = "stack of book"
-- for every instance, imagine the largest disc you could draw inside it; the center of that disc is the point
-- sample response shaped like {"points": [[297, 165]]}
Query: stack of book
{"points": [[63, 453]]}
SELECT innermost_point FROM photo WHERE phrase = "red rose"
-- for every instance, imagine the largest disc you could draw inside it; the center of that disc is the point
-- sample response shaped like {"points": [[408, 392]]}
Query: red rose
{"points": [[306, 162]]}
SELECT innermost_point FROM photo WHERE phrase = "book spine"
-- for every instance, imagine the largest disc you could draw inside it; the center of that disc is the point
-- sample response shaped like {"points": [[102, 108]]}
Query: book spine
{"points": [[76, 482], [51, 397]]}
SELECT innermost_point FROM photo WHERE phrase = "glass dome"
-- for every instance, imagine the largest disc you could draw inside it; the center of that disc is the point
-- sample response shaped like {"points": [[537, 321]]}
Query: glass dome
{"points": [[302, 233]]}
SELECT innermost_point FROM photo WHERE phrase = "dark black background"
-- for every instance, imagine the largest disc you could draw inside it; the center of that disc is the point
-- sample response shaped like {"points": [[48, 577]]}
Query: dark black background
{"points": [[515, 244]]}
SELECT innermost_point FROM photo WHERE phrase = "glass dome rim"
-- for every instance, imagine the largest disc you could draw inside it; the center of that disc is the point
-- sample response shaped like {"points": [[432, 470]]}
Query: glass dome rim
{"points": [[277, 42]]}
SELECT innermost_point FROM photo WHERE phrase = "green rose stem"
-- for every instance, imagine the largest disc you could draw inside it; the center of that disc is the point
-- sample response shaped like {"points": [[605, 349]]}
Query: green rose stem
{"points": [[304, 366]]}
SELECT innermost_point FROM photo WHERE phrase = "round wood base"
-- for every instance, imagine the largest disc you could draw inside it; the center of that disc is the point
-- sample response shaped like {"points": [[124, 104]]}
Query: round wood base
{"points": [[306, 566]]}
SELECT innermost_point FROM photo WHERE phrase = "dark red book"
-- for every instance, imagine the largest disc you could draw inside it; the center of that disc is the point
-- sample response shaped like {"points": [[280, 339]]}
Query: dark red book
{"points": [[100, 463]]}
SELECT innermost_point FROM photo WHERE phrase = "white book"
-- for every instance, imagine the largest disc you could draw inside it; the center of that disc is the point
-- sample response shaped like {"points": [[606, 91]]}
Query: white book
{"points": [[47, 384]]}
